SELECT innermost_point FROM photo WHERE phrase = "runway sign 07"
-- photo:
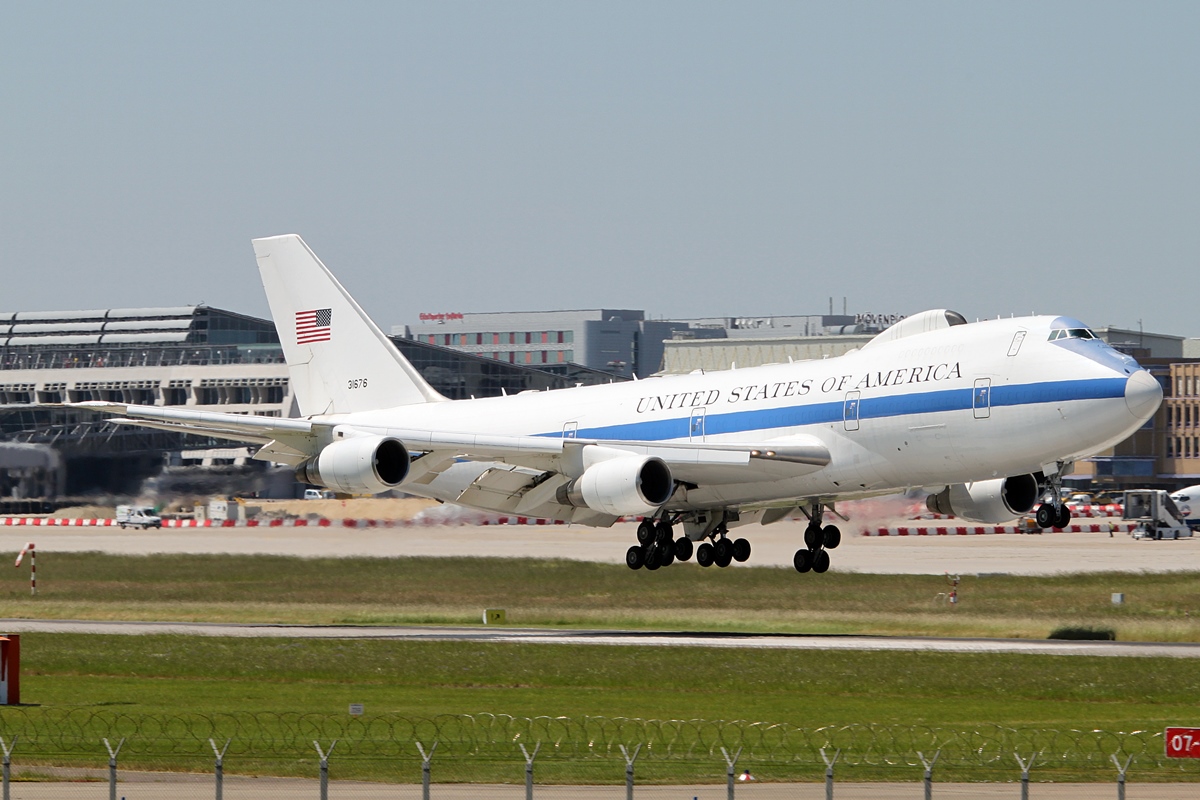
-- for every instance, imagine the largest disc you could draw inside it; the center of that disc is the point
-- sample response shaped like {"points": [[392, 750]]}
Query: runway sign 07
{"points": [[1182, 742]]}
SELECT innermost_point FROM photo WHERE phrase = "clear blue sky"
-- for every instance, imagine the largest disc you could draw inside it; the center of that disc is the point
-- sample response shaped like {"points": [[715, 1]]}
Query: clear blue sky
{"points": [[686, 158]]}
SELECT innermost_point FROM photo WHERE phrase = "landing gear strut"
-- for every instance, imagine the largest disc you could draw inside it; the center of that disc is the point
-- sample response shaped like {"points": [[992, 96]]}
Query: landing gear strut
{"points": [[1054, 514], [818, 540]]}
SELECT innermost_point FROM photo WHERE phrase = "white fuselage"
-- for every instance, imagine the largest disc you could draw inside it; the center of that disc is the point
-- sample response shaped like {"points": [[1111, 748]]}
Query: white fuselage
{"points": [[1188, 502], [961, 404]]}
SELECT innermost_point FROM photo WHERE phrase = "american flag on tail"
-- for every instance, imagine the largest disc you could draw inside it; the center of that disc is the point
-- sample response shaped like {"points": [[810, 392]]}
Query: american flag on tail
{"points": [[313, 326]]}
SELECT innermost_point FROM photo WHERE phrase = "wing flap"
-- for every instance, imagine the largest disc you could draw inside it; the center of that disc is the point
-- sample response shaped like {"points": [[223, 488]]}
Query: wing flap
{"points": [[236, 436]]}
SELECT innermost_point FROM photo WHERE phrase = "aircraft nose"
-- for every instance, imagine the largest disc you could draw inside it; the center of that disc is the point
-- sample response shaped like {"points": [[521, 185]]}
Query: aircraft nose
{"points": [[1143, 394]]}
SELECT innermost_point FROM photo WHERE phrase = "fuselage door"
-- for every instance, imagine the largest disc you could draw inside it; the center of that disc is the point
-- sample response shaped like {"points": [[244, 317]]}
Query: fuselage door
{"points": [[850, 410], [570, 430], [981, 398], [1015, 347], [696, 425]]}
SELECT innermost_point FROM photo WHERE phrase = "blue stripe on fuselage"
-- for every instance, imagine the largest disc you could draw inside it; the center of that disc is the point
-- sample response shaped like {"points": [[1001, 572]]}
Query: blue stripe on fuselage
{"points": [[869, 408]]}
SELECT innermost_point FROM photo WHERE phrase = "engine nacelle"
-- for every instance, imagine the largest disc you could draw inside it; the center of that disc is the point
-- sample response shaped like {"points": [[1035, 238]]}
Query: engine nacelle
{"points": [[627, 485], [361, 465], [994, 501]]}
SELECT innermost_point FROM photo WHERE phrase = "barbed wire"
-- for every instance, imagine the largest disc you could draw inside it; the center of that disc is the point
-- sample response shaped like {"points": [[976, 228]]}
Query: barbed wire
{"points": [[290, 735]]}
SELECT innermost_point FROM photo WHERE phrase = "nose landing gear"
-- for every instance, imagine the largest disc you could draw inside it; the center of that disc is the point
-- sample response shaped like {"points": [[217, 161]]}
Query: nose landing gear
{"points": [[1054, 514]]}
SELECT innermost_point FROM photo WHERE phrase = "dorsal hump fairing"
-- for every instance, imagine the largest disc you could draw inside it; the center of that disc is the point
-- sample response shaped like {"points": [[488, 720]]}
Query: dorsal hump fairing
{"points": [[338, 360], [926, 321]]}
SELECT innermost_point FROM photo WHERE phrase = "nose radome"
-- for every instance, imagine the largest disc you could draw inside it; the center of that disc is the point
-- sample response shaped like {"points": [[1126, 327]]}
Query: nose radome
{"points": [[1143, 394]]}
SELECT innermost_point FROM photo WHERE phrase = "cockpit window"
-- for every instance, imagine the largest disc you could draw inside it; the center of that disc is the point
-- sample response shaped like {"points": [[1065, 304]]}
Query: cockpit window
{"points": [[1071, 333]]}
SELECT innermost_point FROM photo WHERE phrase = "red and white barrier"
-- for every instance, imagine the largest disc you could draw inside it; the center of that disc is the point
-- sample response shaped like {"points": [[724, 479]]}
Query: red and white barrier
{"points": [[942, 530], [978, 530], [280, 523], [1110, 510], [56, 522], [1088, 511]]}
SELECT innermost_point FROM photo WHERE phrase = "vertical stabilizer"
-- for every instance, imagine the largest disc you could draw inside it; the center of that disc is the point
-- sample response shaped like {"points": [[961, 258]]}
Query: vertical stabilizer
{"points": [[338, 359]]}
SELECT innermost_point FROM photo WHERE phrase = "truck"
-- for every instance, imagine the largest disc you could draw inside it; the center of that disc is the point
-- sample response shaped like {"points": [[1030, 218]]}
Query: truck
{"points": [[138, 517], [1155, 515]]}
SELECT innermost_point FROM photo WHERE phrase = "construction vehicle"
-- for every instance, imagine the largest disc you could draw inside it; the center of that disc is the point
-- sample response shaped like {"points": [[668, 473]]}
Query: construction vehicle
{"points": [[1155, 515]]}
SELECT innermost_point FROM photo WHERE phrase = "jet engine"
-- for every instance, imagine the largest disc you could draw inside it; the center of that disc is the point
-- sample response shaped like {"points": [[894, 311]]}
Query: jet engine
{"points": [[626, 485], [361, 465], [994, 501]]}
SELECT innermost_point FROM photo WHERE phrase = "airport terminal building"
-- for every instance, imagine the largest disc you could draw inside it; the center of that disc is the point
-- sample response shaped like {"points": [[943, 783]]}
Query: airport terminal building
{"points": [[620, 342]]}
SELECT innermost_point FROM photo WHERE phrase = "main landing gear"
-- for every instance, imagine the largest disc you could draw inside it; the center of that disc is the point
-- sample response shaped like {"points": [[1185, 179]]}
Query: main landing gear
{"points": [[657, 547], [723, 551], [818, 540], [1054, 514]]}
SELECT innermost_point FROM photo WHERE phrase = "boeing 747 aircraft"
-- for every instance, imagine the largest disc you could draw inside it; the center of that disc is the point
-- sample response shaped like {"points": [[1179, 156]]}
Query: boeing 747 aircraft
{"points": [[988, 416]]}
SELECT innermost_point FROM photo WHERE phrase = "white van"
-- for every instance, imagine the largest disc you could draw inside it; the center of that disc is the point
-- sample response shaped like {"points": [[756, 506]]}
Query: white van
{"points": [[138, 517]]}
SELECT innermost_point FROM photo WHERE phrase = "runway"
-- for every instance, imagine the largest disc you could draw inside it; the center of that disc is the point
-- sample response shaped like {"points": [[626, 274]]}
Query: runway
{"points": [[418, 633], [773, 545]]}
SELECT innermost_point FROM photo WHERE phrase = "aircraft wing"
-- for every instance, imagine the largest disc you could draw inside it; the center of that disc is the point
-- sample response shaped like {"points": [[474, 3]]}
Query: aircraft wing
{"points": [[291, 441]]}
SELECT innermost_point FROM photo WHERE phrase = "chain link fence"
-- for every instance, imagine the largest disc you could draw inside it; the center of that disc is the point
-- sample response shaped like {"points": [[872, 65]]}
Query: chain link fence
{"points": [[593, 750]]}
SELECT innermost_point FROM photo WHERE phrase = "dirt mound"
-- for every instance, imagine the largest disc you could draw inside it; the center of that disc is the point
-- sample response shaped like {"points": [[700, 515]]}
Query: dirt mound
{"points": [[86, 512]]}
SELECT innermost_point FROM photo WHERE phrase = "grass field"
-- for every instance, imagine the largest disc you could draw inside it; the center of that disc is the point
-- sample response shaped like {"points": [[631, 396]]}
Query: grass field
{"points": [[124, 679], [179, 674], [1158, 607], [129, 677]]}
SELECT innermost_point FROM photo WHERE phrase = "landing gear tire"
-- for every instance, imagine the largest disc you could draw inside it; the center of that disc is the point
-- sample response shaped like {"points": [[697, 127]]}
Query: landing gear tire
{"points": [[635, 558], [1046, 516], [741, 550], [683, 548], [820, 561], [723, 552], [645, 532], [652, 558], [666, 554], [833, 536], [803, 560], [705, 555], [662, 532], [1064, 517], [812, 537]]}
